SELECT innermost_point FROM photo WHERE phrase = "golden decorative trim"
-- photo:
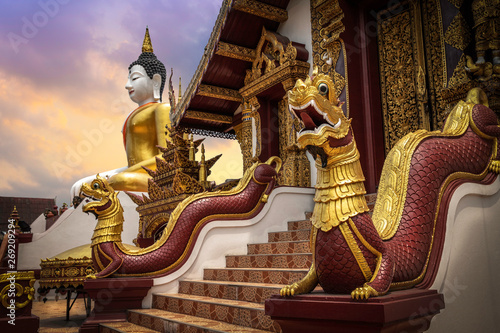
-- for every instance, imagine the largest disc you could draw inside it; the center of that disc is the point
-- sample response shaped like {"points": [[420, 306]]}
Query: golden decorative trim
{"points": [[29, 291], [394, 179], [216, 118], [261, 9], [245, 136], [339, 195], [235, 52], [458, 33], [356, 251], [154, 222], [369, 247], [218, 92], [293, 70]]}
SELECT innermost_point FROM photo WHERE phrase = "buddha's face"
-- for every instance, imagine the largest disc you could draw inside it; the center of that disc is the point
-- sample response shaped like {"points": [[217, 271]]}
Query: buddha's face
{"points": [[140, 86]]}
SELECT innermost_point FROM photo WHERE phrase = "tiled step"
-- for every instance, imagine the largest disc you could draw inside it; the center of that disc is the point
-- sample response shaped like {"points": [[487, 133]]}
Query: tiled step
{"points": [[279, 247], [165, 321], [237, 291], [124, 327], [234, 312], [288, 236], [299, 225], [297, 260], [255, 275]]}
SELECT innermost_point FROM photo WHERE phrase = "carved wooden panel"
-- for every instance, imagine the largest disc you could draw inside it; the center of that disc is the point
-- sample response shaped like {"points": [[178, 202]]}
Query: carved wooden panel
{"points": [[402, 72]]}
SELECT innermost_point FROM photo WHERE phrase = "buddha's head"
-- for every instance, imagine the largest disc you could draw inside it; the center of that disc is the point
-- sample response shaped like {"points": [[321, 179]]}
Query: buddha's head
{"points": [[146, 76]]}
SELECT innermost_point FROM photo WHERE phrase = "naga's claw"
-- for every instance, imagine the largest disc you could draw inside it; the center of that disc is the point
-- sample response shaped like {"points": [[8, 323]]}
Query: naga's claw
{"points": [[289, 290], [364, 292], [306, 285]]}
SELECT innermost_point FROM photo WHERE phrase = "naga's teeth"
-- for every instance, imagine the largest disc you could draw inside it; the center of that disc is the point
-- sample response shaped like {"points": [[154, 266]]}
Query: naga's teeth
{"points": [[337, 125]]}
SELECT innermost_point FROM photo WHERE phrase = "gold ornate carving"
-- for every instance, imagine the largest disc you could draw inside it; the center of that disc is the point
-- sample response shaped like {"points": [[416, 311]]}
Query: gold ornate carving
{"points": [[216, 118], [486, 15], [218, 92], [20, 290], [459, 74], [183, 183], [235, 52], [155, 222], [327, 46], [293, 70], [458, 33], [403, 108], [270, 54], [245, 138], [260, 9], [457, 3], [296, 167]]}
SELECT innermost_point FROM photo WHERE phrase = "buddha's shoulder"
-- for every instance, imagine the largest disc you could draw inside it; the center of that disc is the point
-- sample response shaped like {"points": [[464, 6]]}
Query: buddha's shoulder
{"points": [[162, 107]]}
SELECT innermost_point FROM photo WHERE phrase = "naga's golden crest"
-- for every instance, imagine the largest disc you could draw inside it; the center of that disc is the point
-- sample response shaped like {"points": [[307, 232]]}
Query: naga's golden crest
{"points": [[103, 195], [106, 206]]}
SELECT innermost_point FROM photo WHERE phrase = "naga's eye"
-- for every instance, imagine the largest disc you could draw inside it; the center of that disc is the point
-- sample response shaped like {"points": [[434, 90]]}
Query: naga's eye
{"points": [[95, 186], [323, 89]]}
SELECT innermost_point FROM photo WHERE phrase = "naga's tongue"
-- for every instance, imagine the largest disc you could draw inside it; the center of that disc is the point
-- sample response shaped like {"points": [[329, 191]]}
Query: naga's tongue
{"points": [[307, 120]]}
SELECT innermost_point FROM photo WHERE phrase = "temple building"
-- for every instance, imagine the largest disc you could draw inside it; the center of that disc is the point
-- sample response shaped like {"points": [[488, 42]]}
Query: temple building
{"points": [[317, 93]]}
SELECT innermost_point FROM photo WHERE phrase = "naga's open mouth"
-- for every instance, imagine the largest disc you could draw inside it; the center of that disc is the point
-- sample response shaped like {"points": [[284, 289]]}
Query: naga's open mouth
{"points": [[312, 117]]}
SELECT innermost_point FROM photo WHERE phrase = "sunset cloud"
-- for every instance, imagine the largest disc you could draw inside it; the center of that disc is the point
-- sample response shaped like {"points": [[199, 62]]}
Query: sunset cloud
{"points": [[62, 78]]}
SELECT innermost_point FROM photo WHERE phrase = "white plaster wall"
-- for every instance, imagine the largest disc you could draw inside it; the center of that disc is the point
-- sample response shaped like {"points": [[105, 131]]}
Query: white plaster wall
{"points": [[38, 226], [469, 266], [298, 26], [220, 238], [74, 228], [298, 29]]}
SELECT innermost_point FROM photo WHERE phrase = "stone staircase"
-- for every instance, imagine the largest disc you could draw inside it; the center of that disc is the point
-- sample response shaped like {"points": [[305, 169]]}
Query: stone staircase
{"points": [[229, 299]]}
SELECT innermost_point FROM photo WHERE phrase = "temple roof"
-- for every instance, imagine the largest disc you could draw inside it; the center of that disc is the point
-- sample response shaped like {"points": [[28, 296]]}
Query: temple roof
{"points": [[212, 97], [29, 209]]}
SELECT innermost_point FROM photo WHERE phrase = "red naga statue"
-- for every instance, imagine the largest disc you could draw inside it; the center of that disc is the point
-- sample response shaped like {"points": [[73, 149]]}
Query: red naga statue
{"points": [[400, 245]]}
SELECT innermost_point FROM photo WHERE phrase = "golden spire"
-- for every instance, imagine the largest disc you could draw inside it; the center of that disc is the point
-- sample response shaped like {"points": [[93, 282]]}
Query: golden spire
{"points": [[146, 45], [203, 170], [180, 89], [15, 216], [191, 149]]}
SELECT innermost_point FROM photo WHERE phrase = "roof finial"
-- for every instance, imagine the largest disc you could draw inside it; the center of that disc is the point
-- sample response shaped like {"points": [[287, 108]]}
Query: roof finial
{"points": [[146, 45]]}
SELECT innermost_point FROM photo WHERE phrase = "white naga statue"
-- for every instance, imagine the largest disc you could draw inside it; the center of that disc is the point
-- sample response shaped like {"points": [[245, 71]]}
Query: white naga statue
{"points": [[144, 128]]}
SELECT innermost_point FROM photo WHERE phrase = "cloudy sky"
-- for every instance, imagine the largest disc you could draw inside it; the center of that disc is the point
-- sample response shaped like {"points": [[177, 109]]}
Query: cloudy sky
{"points": [[63, 69]]}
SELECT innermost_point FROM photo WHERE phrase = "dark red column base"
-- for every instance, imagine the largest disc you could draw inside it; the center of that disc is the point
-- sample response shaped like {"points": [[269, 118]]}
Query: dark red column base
{"points": [[406, 310], [112, 298], [24, 324]]}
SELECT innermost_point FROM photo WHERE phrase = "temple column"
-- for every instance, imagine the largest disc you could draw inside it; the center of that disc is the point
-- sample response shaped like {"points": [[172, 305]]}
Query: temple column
{"points": [[296, 166]]}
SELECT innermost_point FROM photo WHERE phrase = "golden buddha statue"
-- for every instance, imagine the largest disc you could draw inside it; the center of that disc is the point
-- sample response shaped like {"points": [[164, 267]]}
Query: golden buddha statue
{"points": [[144, 128]]}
